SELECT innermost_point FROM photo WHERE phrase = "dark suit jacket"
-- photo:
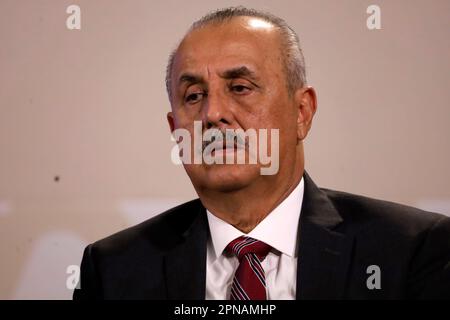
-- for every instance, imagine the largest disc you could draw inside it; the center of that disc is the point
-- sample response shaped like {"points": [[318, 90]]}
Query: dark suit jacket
{"points": [[340, 235]]}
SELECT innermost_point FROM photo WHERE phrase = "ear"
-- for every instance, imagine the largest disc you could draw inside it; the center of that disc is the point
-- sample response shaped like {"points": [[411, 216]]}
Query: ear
{"points": [[306, 101], [171, 121]]}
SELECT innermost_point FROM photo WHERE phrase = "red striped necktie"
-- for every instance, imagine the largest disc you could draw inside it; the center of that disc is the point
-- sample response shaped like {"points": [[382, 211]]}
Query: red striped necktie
{"points": [[249, 282]]}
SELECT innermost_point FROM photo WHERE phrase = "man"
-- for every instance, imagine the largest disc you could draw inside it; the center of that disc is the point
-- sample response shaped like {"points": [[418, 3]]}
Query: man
{"points": [[256, 236]]}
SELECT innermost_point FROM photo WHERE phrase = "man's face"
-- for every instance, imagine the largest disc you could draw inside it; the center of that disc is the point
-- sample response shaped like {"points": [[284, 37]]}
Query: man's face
{"points": [[231, 76]]}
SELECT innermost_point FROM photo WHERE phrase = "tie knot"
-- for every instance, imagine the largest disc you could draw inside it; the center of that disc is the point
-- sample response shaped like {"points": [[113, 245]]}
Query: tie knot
{"points": [[245, 245]]}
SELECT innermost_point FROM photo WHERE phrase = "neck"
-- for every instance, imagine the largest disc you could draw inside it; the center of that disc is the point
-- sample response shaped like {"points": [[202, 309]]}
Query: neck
{"points": [[246, 208]]}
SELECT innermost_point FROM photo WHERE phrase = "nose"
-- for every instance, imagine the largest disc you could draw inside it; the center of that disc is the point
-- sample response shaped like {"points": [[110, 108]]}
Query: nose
{"points": [[216, 111]]}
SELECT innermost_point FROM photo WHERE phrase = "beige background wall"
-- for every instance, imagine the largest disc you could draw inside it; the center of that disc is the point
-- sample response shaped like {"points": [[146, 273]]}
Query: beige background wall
{"points": [[89, 106]]}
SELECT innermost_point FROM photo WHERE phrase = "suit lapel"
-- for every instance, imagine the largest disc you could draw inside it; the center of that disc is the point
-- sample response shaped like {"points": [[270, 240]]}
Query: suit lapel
{"points": [[323, 252], [185, 264]]}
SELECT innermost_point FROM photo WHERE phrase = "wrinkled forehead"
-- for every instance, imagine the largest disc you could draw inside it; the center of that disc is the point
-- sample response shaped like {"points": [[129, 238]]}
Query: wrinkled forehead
{"points": [[239, 40]]}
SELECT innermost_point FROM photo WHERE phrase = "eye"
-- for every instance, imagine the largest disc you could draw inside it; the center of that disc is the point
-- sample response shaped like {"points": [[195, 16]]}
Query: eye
{"points": [[194, 97], [240, 88]]}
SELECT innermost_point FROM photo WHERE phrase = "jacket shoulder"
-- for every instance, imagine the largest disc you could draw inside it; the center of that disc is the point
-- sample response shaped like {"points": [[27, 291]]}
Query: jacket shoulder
{"points": [[366, 212], [157, 233]]}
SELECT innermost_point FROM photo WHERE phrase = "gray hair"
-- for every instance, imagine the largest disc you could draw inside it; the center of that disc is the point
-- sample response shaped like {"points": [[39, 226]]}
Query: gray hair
{"points": [[293, 60]]}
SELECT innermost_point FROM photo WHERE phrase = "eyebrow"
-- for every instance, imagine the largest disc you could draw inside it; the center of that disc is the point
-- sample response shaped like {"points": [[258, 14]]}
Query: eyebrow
{"points": [[190, 78], [238, 72]]}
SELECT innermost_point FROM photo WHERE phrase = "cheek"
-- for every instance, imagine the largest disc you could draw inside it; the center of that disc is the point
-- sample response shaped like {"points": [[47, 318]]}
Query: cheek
{"points": [[183, 117], [258, 111], [280, 114], [276, 112]]}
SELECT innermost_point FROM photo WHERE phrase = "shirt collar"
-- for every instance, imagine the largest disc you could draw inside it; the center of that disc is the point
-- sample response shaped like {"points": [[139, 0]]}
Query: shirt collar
{"points": [[279, 229]]}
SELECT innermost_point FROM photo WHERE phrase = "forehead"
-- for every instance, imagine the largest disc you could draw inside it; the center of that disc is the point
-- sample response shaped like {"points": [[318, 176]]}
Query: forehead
{"points": [[242, 40]]}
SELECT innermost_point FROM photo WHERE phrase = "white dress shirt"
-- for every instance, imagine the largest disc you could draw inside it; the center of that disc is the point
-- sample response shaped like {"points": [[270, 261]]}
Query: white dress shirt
{"points": [[279, 230]]}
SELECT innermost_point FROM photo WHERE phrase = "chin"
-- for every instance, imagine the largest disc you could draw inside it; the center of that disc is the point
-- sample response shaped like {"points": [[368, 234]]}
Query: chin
{"points": [[224, 177]]}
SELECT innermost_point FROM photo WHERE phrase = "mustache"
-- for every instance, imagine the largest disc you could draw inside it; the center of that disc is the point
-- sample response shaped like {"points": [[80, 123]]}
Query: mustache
{"points": [[226, 138]]}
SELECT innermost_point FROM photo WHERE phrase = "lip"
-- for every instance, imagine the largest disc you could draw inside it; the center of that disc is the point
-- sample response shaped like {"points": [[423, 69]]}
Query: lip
{"points": [[222, 148]]}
